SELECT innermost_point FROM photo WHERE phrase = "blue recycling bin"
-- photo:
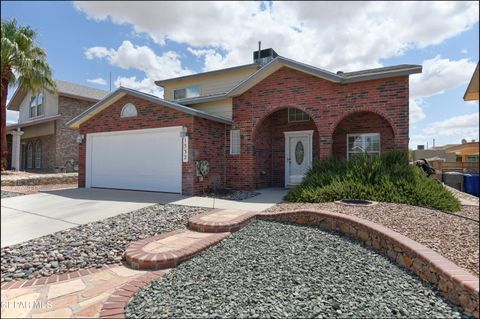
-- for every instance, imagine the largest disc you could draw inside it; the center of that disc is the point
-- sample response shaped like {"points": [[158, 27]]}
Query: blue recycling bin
{"points": [[471, 184]]}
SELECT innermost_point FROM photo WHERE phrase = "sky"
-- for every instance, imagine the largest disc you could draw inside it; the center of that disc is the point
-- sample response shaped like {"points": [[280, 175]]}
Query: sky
{"points": [[141, 42]]}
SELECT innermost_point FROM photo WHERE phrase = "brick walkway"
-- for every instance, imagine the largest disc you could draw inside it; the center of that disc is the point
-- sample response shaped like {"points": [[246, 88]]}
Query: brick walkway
{"points": [[105, 292], [82, 296], [93, 293]]}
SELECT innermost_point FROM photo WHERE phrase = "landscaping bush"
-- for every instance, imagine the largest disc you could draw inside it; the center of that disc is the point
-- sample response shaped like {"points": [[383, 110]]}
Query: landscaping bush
{"points": [[385, 178]]}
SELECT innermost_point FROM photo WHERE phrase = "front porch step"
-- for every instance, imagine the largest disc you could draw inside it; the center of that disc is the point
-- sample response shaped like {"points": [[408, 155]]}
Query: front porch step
{"points": [[220, 220], [169, 249]]}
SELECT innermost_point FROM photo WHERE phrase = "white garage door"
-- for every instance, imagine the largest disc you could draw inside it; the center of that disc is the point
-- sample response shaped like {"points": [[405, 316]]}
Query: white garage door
{"points": [[148, 159]]}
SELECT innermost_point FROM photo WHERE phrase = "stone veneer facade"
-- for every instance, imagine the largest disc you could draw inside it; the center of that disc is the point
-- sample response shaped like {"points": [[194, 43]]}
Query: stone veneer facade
{"points": [[61, 146]]}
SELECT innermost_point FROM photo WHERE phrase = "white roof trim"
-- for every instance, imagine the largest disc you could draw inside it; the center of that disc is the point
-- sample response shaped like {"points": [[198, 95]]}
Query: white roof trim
{"points": [[122, 91]]}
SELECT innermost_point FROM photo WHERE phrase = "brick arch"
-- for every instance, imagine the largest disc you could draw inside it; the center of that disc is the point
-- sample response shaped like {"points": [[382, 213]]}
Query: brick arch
{"points": [[273, 110], [268, 144], [359, 122], [346, 114]]}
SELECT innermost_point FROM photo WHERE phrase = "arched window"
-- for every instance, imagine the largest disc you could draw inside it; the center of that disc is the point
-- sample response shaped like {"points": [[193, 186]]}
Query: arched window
{"points": [[30, 155], [129, 110], [38, 154]]}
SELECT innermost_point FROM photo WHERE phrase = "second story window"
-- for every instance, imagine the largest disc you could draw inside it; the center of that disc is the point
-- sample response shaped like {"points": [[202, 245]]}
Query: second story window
{"points": [[191, 91], [37, 105], [33, 106], [40, 104]]}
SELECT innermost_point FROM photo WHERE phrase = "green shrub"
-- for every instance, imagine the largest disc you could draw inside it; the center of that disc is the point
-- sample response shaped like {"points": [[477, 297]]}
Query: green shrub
{"points": [[385, 178]]}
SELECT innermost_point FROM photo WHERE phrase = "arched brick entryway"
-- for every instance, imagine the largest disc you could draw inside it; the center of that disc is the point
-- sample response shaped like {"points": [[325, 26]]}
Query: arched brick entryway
{"points": [[269, 142], [362, 123]]}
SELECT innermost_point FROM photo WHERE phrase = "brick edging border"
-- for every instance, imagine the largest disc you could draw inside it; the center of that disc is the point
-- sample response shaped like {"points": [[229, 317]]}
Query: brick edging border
{"points": [[114, 307], [453, 282], [139, 259], [196, 223], [55, 278]]}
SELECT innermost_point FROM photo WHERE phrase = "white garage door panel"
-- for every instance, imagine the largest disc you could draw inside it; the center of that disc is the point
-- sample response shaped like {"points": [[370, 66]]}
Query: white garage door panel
{"points": [[141, 160]]}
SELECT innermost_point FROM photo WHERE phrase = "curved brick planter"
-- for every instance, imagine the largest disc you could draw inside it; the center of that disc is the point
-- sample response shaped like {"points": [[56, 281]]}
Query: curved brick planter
{"points": [[455, 283], [205, 223], [169, 249]]}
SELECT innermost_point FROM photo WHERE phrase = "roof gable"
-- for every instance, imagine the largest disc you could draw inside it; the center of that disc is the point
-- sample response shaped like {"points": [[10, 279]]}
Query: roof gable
{"points": [[341, 78], [64, 88], [121, 92]]}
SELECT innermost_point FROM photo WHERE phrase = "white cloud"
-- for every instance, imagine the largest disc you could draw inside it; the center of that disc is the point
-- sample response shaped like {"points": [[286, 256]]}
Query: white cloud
{"points": [[448, 131], [464, 51], [463, 125], [416, 111], [331, 35], [100, 81], [12, 116], [155, 67], [439, 75]]}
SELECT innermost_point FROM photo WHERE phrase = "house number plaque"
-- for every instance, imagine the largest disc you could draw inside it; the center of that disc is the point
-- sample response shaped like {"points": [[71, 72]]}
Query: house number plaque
{"points": [[185, 149]]}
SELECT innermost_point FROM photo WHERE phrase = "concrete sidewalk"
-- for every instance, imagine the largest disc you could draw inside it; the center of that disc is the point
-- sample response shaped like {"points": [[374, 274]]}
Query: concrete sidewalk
{"points": [[31, 216]]}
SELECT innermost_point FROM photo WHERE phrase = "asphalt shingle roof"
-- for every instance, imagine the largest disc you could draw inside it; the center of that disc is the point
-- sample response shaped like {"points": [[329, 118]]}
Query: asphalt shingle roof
{"points": [[70, 88]]}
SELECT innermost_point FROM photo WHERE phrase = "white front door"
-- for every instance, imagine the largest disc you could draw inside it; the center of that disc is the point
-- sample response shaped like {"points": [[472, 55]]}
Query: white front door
{"points": [[298, 156]]}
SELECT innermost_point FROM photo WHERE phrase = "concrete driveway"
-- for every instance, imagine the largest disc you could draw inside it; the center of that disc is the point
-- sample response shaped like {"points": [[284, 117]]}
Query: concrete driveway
{"points": [[31, 216]]}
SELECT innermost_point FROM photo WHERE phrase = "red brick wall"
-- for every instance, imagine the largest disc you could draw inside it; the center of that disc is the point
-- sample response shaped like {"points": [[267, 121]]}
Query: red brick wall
{"points": [[208, 139], [363, 122], [326, 102], [202, 134]]}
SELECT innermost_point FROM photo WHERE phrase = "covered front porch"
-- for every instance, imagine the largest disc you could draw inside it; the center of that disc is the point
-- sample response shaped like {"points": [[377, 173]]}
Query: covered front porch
{"points": [[31, 145], [288, 141]]}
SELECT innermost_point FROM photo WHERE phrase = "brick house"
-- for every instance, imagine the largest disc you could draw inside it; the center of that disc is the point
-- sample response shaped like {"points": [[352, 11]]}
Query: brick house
{"points": [[257, 125], [41, 141]]}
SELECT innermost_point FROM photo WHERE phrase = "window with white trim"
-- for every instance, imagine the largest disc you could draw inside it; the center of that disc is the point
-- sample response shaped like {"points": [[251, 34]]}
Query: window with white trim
{"points": [[368, 143], [185, 93], [129, 110], [234, 142], [37, 105], [33, 106], [40, 104], [295, 115]]}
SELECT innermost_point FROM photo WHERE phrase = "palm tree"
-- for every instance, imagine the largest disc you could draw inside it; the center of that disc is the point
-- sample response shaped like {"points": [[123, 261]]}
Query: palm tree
{"points": [[24, 64]]}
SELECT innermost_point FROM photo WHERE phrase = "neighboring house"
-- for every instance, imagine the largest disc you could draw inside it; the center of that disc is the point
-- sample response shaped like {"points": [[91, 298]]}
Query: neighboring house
{"points": [[464, 152], [41, 141], [472, 93], [256, 125]]}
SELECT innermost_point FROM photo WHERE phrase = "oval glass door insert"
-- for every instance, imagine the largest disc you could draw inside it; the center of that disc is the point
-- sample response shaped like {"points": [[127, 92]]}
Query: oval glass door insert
{"points": [[299, 153]]}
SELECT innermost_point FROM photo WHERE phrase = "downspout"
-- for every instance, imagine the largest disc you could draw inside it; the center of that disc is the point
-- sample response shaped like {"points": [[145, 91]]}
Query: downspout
{"points": [[225, 156]]}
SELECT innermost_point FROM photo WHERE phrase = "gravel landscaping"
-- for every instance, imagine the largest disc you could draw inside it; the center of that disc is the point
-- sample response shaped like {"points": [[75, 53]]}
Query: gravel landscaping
{"points": [[230, 194], [453, 235], [31, 189], [5, 194], [90, 245], [272, 269], [462, 195]]}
